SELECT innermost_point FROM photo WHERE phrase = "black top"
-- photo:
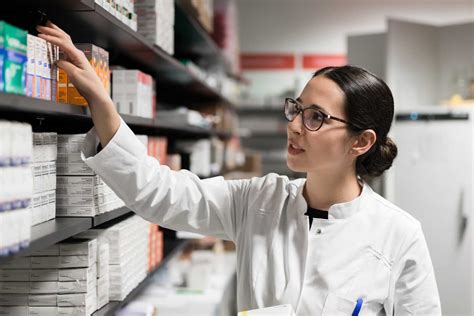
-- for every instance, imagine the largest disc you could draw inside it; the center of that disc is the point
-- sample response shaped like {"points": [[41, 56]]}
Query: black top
{"points": [[315, 213]]}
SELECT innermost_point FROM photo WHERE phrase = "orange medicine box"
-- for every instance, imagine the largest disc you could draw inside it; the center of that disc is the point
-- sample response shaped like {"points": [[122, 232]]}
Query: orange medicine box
{"points": [[99, 60], [92, 54]]}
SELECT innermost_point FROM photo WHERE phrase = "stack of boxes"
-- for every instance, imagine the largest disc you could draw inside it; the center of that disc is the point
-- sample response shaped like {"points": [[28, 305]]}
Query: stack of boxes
{"points": [[13, 59], [41, 70], [59, 280], [45, 150], [156, 22], [102, 268], [133, 92], [128, 243], [103, 278], [16, 183], [158, 148], [99, 59], [155, 247], [122, 10], [80, 192]]}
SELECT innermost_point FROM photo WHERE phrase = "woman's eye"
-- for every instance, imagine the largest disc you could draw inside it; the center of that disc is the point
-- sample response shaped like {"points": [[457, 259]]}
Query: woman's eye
{"points": [[316, 116]]}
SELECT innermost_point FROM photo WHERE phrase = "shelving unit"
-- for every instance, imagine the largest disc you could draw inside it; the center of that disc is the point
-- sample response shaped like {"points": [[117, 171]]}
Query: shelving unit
{"points": [[88, 22], [66, 118], [199, 44], [171, 250]]}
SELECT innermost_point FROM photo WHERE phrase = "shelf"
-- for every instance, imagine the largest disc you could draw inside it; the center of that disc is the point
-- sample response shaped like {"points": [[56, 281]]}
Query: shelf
{"points": [[107, 217], [87, 22], [48, 233], [66, 118], [171, 248], [193, 41], [254, 110], [53, 231]]}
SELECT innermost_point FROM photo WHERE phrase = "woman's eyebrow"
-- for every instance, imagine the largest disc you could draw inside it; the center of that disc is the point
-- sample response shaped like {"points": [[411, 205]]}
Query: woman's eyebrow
{"points": [[318, 107]]}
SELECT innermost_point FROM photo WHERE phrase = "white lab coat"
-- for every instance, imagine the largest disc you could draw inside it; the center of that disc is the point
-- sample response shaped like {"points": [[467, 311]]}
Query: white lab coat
{"points": [[371, 248]]}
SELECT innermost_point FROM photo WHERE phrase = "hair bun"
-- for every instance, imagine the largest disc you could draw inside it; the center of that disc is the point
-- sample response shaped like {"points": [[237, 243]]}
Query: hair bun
{"points": [[375, 162]]}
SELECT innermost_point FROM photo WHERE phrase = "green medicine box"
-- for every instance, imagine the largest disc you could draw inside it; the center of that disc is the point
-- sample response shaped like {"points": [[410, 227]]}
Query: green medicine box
{"points": [[12, 59]]}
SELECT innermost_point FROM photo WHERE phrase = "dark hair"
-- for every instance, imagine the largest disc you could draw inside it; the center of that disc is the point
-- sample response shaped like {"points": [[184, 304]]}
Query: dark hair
{"points": [[368, 104]]}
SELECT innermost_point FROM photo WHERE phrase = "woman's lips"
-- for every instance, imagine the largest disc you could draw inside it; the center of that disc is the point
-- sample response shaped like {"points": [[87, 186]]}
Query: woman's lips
{"points": [[292, 150]]}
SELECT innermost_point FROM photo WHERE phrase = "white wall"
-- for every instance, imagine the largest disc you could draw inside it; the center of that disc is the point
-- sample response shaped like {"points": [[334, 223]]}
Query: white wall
{"points": [[322, 26], [412, 64]]}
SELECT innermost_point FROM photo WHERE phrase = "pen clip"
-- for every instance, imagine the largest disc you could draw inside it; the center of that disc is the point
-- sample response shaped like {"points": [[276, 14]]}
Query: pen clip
{"points": [[358, 307]]}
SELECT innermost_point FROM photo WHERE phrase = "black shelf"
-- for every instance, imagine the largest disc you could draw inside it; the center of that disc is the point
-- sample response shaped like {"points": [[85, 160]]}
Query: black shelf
{"points": [[261, 110], [87, 22], [171, 248], [193, 41], [48, 233], [107, 217], [66, 118], [53, 231]]}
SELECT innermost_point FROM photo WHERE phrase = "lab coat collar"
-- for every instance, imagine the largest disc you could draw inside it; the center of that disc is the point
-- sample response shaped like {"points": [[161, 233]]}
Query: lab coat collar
{"points": [[338, 210]]}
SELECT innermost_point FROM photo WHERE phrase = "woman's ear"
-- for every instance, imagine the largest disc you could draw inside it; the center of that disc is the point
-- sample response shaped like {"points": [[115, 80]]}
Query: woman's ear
{"points": [[363, 142]]}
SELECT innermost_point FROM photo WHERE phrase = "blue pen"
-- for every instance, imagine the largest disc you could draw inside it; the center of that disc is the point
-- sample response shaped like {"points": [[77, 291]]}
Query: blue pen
{"points": [[358, 307]]}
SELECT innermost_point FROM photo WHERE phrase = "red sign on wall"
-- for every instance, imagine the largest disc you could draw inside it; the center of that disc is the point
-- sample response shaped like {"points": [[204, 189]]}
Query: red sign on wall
{"points": [[267, 61], [318, 61]]}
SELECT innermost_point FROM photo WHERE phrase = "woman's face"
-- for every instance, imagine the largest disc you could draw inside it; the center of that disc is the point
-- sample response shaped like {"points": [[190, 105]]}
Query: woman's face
{"points": [[326, 150]]}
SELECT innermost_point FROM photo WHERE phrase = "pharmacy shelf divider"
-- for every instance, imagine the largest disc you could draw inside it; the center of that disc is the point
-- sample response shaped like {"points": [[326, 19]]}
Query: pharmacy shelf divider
{"points": [[88, 22], [171, 249], [48, 233], [67, 118]]}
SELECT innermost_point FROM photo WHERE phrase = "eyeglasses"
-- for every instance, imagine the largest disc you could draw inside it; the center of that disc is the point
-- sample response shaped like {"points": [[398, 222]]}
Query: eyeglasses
{"points": [[313, 118]]}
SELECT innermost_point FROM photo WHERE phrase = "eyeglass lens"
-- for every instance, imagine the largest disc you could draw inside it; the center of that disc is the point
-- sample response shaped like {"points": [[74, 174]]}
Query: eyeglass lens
{"points": [[312, 119]]}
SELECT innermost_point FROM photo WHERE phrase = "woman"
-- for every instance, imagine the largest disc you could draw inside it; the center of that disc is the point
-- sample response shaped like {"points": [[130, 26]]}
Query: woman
{"points": [[358, 253]]}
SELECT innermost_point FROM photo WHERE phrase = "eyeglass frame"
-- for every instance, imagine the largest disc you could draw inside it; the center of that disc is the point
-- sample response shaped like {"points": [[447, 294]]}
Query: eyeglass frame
{"points": [[314, 107]]}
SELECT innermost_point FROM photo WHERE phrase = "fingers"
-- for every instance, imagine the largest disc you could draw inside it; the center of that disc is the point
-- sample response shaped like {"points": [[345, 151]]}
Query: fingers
{"points": [[68, 67], [57, 28], [54, 26], [66, 46], [50, 31]]}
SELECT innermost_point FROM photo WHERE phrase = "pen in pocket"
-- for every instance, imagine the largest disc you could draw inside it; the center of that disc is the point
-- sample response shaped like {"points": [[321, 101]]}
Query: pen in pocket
{"points": [[358, 307]]}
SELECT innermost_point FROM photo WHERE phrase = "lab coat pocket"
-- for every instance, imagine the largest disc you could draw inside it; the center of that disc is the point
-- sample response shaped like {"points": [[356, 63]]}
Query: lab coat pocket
{"points": [[373, 278], [336, 305]]}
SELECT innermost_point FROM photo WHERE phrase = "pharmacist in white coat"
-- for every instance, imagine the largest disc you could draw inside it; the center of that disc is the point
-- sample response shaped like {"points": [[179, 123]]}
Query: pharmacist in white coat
{"points": [[327, 244]]}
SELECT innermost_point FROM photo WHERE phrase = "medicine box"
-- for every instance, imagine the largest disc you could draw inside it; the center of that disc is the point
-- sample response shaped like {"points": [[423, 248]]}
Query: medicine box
{"points": [[28, 300], [62, 83], [42, 300], [43, 207], [29, 287], [44, 176], [45, 147], [102, 291], [28, 310], [31, 65], [102, 259], [81, 274], [60, 262], [13, 41]]}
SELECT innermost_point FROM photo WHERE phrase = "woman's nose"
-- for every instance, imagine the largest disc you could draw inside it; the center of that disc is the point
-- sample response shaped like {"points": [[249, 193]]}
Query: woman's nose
{"points": [[296, 126]]}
